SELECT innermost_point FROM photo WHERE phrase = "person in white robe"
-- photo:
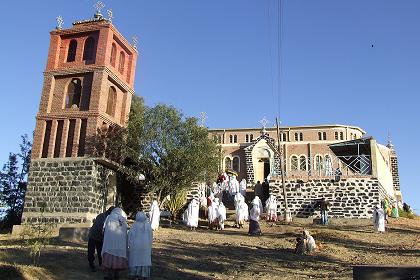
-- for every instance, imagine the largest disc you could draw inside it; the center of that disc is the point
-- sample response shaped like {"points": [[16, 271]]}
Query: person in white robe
{"points": [[140, 239], [212, 213], [310, 244], [242, 187], [114, 249], [154, 215], [242, 213], [221, 211], [379, 219], [238, 197], [191, 214], [258, 202], [271, 208], [254, 217], [233, 186]]}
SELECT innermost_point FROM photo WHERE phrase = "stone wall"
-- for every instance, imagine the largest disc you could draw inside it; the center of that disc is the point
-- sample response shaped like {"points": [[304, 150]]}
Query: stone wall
{"points": [[349, 197], [72, 190]]}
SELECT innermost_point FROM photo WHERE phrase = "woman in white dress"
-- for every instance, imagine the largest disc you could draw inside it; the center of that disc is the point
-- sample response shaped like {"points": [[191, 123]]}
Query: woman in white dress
{"points": [[379, 219], [154, 215]]}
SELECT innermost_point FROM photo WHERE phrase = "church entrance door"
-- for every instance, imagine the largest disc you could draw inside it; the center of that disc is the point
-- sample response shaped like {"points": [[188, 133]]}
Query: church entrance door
{"points": [[262, 169]]}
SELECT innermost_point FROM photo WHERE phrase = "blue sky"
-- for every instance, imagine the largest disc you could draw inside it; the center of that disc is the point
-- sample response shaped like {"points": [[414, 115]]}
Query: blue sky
{"points": [[214, 56]]}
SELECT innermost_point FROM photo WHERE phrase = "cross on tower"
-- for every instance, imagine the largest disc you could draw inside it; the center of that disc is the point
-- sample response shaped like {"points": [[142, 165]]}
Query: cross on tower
{"points": [[135, 41], [110, 15], [60, 22], [264, 122], [203, 118], [99, 6]]}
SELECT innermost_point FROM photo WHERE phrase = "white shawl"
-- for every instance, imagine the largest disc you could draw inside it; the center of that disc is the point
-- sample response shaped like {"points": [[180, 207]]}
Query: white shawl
{"points": [[140, 239], [115, 234]]}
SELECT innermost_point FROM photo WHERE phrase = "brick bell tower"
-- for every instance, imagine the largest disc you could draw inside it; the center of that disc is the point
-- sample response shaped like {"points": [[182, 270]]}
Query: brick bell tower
{"points": [[88, 83]]}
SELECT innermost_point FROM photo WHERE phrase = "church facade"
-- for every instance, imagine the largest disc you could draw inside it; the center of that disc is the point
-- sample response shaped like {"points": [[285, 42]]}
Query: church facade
{"points": [[313, 157]]}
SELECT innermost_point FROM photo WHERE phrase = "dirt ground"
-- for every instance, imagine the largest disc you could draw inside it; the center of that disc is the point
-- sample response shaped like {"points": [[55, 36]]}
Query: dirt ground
{"points": [[231, 254]]}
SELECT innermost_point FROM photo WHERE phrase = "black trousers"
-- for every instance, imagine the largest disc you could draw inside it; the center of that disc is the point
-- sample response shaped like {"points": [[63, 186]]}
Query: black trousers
{"points": [[92, 245]]}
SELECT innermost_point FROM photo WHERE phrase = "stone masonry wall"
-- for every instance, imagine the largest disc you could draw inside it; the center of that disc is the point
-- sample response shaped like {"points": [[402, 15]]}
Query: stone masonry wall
{"points": [[70, 189], [349, 198]]}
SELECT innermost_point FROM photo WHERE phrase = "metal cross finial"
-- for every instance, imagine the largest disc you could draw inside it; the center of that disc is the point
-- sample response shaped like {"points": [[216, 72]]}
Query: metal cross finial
{"points": [[264, 122], [203, 118], [99, 6], [60, 22], [135, 41], [110, 15]]}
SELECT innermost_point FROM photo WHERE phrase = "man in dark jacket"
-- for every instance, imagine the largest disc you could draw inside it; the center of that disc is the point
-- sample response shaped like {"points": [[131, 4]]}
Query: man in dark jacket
{"points": [[323, 204], [96, 238], [265, 191], [258, 189]]}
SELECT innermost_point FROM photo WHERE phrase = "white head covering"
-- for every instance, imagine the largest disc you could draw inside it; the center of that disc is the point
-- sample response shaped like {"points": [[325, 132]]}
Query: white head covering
{"points": [[115, 234], [140, 239]]}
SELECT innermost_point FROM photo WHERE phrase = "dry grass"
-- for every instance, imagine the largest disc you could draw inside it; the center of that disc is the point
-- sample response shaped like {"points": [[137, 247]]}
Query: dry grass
{"points": [[203, 254]]}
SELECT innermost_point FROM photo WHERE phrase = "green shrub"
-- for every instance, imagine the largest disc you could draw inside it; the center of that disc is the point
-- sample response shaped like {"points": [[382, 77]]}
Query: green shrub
{"points": [[176, 202], [402, 213]]}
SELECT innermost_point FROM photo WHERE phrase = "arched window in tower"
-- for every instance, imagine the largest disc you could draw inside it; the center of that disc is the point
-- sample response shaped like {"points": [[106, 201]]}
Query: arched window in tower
{"points": [[122, 62], [230, 138], [319, 135], [247, 138], [74, 93], [112, 99], [325, 135], [302, 163], [296, 136], [294, 163], [251, 137], [236, 164], [235, 138], [228, 163], [89, 49], [301, 136], [71, 54], [341, 136], [113, 57]]}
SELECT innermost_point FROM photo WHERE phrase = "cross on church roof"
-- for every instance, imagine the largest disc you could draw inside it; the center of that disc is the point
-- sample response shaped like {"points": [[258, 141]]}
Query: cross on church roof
{"points": [[99, 6], [135, 41], [110, 15], [203, 118], [264, 122]]}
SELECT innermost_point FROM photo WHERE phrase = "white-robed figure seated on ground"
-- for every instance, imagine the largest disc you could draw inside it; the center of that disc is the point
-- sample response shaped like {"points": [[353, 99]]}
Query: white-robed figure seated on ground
{"points": [[140, 239], [271, 208], [379, 219], [212, 213], [154, 215], [241, 212], [190, 216], [114, 250], [221, 215], [258, 202], [305, 244]]}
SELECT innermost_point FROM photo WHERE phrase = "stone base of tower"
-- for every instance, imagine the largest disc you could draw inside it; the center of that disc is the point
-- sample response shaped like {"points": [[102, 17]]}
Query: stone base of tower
{"points": [[69, 190]]}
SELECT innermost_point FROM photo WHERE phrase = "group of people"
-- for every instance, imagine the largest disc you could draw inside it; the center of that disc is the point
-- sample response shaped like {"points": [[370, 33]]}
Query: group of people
{"points": [[230, 186], [119, 248]]}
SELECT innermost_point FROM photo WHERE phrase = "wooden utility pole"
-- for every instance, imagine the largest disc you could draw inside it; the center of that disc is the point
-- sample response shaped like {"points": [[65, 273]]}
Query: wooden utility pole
{"points": [[287, 216]]}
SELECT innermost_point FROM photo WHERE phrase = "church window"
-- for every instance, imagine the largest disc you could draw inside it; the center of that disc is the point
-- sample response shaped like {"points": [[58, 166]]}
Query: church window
{"points": [[88, 52], [246, 138], [58, 137], [341, 136], [294, 163], [301, 136], [113, 57], [296, 136], [325, 135], [235, 138], [236, 164], [82, 138], [319, 135], [319, 162], [283, 137], [336, 135], [302, 163], [70, 138], [74, 92], [220, 138], [230, 138], [112, 98], [328, 165], [251, 137], [121, 64], [228, 163], [71, 54]]}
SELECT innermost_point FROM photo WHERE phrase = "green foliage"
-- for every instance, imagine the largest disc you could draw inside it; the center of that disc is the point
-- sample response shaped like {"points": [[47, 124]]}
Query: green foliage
{"points": [[13, 183], [176, 202], [402, 213], [171, 151], [36, 235]]}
